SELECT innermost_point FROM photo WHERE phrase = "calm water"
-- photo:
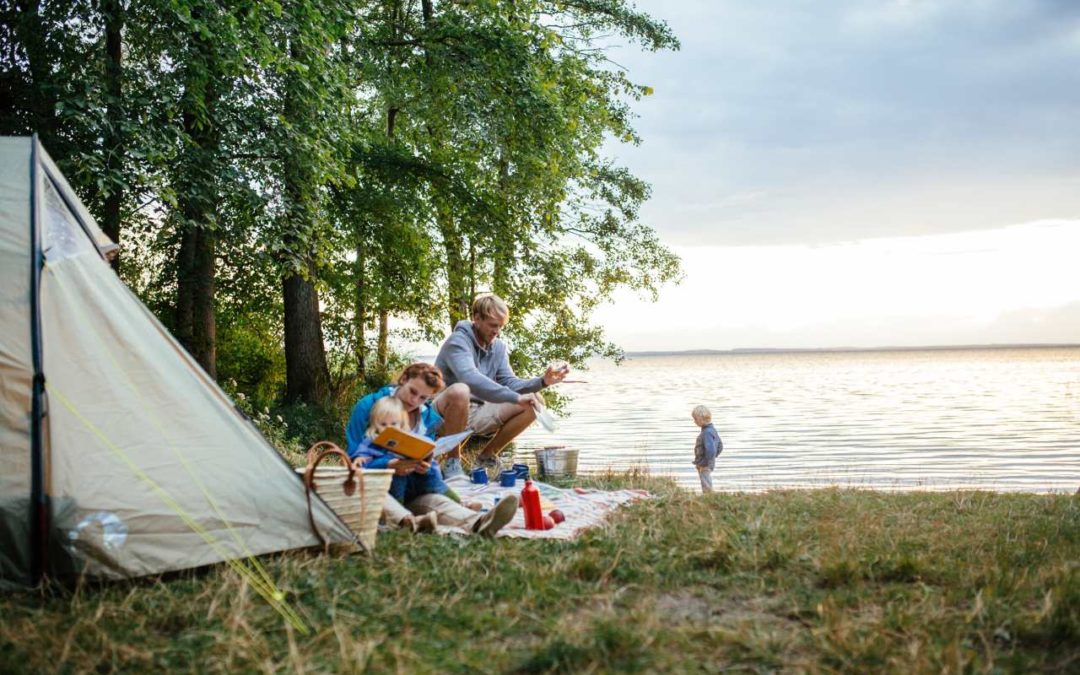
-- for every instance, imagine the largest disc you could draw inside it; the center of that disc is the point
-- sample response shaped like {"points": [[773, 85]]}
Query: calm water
{"points": [[1006, 420]]}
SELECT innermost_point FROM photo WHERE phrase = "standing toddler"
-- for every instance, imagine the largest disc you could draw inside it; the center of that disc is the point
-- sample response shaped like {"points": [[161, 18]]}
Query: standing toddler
{"points": [[707, 447]]}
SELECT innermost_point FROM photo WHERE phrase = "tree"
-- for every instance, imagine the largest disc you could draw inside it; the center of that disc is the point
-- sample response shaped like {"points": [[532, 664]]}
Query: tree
{"points": [[113, 141], [303, 173], [308, 142], [518, 100], [62, 78], [202, 56]]}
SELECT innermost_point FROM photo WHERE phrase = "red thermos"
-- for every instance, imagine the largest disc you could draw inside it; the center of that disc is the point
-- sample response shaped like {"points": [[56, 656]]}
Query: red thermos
{"points": [[530, 501]]}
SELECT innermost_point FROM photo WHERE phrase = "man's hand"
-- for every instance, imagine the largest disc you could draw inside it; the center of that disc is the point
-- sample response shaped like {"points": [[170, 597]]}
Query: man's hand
{"points": [[530, 400], [556, 373]]}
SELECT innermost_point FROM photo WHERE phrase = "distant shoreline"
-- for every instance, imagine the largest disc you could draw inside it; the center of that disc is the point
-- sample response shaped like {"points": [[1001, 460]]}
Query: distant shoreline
{"points": [[841, 350]]}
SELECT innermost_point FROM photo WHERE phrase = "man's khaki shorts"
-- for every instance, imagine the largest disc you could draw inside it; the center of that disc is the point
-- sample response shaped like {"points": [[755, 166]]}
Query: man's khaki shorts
{"points": [[485, 419]]}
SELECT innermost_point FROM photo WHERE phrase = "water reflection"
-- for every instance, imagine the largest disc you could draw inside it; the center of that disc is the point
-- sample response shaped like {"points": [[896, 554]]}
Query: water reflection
{"points": [[1002, 419]]}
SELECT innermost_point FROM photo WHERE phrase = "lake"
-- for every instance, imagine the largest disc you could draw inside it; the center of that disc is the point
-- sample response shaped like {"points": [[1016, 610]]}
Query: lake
{"points": [[996, 419]]}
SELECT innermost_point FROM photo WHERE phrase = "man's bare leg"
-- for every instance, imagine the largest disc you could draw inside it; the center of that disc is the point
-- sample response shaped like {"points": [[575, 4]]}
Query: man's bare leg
{"points": [[453, 406], [510, 430]]}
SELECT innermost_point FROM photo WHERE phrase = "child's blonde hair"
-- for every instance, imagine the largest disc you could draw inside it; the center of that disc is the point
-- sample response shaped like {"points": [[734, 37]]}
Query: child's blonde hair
{"points": [[387, 406], [701, 414]]}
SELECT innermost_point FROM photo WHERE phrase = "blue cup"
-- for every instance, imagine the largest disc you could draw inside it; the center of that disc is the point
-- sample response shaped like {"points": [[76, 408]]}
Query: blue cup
{"points": [[479, 475], [507, 478], [522, 471]]}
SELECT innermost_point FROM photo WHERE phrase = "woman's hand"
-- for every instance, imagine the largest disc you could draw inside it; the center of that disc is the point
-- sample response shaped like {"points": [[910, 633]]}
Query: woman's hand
{"points": [[403, 467]]}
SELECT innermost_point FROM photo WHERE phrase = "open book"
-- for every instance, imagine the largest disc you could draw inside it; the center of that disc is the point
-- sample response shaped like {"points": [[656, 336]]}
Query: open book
{"points": [[415, 446]]}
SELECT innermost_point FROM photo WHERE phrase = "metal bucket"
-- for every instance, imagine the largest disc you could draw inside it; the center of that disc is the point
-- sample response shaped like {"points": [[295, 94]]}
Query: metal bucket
{"points": [[557, 460]]}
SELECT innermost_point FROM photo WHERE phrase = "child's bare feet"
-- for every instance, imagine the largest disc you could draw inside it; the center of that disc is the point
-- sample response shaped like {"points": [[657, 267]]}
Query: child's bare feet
{"points": [[428, 522], [409, 523], [475, 506]]}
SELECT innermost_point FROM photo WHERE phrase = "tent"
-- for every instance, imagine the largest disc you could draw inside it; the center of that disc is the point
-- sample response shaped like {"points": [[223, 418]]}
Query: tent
{"points": [[119, 456]]}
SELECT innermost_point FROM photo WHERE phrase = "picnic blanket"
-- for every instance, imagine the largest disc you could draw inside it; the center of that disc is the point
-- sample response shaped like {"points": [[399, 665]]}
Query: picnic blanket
{"points": [[583, 508]]}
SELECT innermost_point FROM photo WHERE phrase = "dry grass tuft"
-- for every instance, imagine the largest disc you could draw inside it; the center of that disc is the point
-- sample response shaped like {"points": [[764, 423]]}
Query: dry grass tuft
{"points": [[829, 580]]}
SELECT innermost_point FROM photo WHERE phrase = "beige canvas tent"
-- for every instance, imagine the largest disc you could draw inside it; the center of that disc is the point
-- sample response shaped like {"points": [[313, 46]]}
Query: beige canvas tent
{"points": [[119, 457]]}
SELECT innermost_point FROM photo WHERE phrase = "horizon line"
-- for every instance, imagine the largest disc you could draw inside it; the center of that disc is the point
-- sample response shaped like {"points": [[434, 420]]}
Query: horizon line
{"points": [[885, 348]]}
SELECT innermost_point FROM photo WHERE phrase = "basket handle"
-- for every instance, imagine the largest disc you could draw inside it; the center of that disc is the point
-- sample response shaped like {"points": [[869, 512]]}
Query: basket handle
{"points": [[315, 455], [314, 452]]}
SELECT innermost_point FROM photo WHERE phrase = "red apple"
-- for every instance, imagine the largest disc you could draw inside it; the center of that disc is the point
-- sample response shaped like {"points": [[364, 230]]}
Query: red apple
{"points": [[548, 522], [557, 516]]}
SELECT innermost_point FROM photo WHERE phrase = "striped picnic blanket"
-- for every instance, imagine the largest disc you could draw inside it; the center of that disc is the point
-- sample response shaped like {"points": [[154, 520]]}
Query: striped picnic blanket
{"points": [[583, 508]]}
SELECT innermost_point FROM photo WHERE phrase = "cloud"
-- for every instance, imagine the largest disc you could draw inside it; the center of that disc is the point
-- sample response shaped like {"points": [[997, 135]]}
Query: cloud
{"points": [[1013, 284], [1034, 325], [858, 119]]}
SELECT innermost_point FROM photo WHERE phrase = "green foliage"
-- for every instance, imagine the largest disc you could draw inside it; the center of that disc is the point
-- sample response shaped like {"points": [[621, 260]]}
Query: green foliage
{"points": [[273, 426], [397, 156], [310, 423], [249, 355]]}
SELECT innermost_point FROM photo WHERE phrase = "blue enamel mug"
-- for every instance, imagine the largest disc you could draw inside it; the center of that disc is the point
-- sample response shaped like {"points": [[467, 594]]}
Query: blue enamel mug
{"points": [[522, 471], [479, 475], [507, 478]]}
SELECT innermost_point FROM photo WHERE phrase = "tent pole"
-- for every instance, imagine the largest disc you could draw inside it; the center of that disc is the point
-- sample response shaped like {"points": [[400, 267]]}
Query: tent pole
{"points": [[39, 499]]}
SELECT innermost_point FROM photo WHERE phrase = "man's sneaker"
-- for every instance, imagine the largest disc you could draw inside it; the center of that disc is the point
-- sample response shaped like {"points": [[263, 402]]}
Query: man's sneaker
{"points": [[452, 467], [496, 519]]}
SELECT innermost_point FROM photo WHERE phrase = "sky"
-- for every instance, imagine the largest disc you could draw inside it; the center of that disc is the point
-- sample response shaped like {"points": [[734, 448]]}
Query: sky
{"points": [[860, 173]]}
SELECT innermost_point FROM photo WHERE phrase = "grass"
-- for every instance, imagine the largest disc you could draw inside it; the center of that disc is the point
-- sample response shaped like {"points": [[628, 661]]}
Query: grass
{"points": [[811, 581]]}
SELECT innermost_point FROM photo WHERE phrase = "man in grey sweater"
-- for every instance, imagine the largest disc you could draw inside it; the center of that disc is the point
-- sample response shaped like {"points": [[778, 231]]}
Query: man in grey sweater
{"points": [[502, 405]]}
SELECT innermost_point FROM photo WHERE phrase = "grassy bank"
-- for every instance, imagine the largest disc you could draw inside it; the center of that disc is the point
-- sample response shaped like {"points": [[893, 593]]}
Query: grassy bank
{"points": [[826, 580]]}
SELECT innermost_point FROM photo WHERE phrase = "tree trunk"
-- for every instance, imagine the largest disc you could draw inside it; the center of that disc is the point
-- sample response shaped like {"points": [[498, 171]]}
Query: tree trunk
{"points": [[500, 279], [472, 268], [360, 311], [197, 197], [196, 279], [306, 372], [29, 29], [383, 351], [307, 376], [457, 302], [382, 347], [456, 283], [113, 141], [500, 249]]}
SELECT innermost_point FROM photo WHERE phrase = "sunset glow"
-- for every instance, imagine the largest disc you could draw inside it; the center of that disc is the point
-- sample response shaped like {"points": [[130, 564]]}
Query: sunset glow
{"points": [[1014, 284]]}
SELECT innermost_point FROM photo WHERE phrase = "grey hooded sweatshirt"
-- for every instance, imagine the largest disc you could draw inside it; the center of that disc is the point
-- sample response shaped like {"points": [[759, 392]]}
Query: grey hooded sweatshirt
{"points": [[486, 371]]}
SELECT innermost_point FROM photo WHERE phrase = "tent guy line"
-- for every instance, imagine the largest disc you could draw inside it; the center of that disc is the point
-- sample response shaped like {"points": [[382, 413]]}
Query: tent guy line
{"points": [[263, 586], [149, 413]]}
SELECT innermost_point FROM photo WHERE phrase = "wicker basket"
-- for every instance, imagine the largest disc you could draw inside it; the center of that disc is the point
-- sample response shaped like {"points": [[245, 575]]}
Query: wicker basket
{"points": [[355, 494]]}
